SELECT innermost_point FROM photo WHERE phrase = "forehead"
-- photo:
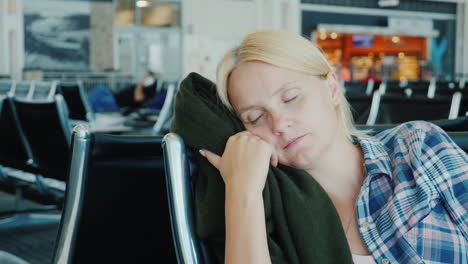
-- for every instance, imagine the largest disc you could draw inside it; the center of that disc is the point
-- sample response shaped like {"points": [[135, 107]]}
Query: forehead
{"points": [[258, 73], [256, 79]]}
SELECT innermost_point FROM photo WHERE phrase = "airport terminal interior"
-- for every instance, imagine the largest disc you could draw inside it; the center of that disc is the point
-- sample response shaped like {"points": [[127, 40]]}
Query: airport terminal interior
{"points": [[89, 169]]}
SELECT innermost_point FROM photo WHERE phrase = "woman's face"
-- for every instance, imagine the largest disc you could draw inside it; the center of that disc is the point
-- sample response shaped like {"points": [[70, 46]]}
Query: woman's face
{"points": [[296, 113]]}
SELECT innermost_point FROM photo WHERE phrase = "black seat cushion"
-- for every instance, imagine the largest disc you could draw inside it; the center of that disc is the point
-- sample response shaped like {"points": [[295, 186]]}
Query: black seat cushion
{"points": [[125, 214], [43, 129], [395, 108]]}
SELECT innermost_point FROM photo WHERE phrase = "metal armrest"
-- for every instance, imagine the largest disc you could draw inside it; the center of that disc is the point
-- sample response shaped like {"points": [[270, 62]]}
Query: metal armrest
{"points": [[180, 203]]}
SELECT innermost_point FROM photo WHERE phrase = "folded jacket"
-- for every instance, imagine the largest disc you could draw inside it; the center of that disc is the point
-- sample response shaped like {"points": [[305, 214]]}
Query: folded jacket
{"points": [[302, 223]]}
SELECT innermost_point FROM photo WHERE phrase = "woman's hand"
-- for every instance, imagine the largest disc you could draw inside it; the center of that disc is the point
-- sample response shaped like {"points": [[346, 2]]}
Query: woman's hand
{"points": [[245, 162]]}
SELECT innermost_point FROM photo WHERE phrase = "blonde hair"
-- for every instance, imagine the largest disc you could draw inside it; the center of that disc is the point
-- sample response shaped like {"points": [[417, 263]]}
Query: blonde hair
{"points": [[286, 50]]}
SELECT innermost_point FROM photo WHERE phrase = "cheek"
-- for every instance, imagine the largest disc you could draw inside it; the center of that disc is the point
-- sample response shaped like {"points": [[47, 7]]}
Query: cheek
{"points": [[263, 133]]}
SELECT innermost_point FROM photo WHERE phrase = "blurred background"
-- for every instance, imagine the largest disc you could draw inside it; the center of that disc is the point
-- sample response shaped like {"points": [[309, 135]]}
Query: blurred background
{"points": [[114, 67], [117, 41]]}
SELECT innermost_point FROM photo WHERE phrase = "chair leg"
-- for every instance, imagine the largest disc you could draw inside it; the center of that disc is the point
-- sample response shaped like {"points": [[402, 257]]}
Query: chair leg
{"points": [[26, 219], [29, 220]]}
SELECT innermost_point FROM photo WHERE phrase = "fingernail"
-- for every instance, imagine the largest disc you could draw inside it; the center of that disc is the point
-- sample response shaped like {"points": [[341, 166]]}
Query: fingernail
{"points": [[202, 152]]}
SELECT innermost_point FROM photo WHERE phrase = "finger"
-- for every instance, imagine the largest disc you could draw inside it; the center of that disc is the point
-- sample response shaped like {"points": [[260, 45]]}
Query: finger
{"points": [[211, 157]]}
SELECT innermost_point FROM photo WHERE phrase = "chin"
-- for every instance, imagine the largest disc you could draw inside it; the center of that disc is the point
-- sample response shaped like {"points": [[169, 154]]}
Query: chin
{"points": [[301, 160]]}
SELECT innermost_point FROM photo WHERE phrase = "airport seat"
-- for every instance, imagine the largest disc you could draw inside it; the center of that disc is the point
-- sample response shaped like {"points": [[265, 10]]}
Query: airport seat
{"points": [[43, 90], [163, 122], [418, 87], [409, 88], [77, 100], [361, 103], [48, 132], [395, 108], [116, 208], [459, 124], [463, 111], [5, 87], [15, 159], [447, 87], [22, 90], [144, 122], [360, 88], [14, 150], [180, 172], [461, 139], [360, 107]]}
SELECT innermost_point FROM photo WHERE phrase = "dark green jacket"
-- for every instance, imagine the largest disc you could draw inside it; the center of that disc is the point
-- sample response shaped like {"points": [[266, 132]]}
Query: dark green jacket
{"points": [[302, 224]]}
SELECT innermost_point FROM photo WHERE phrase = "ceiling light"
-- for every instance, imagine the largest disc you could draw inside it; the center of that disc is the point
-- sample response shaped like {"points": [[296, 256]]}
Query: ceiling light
{"points": [[142, 3]]}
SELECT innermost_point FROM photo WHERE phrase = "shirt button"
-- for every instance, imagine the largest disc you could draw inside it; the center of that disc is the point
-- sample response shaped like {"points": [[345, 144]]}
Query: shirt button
{"points": [[365, 225], [385, 261]]}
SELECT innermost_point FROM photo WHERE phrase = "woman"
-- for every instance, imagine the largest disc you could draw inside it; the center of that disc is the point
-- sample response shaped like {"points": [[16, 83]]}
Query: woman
{"points": [[401, 194]]}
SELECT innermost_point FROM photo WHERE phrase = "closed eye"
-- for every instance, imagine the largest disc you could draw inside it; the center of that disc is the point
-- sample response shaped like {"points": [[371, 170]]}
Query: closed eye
{"points": [[253, 122], [291, 99]]}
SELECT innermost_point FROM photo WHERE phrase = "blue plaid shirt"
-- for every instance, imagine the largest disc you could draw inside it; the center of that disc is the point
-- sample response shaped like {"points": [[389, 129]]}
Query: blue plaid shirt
{"points": [[413, 203]]}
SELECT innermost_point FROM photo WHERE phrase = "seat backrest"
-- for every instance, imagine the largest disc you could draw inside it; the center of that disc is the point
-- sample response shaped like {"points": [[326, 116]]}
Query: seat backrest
{"points": [[14, 148], [453, 125], [394, 109], [463, 111], [447, 87], [43, 90], [355, 87], [5, 87], [394, 86], [116, 208], [22, 90], [165, 116], [180, 172], [77, 100], [461, 139], [360, 107], [46, 128], [418, 87]]}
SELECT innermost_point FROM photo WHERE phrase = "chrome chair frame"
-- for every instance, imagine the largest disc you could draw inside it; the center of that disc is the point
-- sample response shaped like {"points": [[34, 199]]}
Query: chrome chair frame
{"points": [[166, 112], [74, 196], [188, 247]]}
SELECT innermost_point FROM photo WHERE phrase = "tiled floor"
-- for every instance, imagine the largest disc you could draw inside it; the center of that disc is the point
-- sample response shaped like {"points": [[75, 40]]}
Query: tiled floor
{"points": [[34, 244]]}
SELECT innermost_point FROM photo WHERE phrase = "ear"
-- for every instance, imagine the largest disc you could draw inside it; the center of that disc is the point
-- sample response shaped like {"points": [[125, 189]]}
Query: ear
{"points": [[334, 88]]}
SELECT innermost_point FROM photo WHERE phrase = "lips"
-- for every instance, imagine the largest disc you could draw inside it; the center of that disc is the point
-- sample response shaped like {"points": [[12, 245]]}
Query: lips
{"points": [[293, 142]]}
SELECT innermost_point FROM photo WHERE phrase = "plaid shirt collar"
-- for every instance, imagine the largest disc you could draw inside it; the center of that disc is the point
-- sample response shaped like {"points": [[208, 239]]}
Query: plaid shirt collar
{"points": [[376, 159]]}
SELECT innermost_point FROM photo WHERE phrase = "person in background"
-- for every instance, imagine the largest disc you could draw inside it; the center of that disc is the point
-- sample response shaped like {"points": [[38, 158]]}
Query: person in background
{"points": [[401, 195], [133, 97]]}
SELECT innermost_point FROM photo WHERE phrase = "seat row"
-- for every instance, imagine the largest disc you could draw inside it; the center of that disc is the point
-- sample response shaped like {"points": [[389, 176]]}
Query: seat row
{"points": [[35, 138], [397, 105], [141, 187], [429, 88], [78, 105], [35, 141]]}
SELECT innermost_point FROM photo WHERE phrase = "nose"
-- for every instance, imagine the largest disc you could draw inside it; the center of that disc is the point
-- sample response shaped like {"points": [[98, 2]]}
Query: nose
{"points": [[279, 123]]}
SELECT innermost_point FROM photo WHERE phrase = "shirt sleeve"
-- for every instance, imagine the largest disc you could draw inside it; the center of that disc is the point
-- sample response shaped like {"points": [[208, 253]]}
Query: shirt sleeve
{"points": [[447, 166]]}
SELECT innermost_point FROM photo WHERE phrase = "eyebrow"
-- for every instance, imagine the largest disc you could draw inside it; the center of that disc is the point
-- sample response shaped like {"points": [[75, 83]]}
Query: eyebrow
{"points": [[282, 87]]}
